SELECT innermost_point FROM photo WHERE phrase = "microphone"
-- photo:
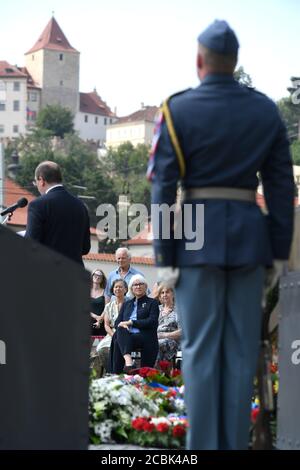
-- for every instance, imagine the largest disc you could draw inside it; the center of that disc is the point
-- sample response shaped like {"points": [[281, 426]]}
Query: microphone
{"points": [[20, 203]]}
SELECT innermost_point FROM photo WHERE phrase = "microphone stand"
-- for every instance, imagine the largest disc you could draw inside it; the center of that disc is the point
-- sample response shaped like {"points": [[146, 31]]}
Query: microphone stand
{"points": [[7, 218]]}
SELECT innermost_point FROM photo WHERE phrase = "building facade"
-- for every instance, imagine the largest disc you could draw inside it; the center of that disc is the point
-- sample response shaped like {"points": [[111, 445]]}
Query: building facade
{"points": [[13, 101], [50, 76], [136, 128]]}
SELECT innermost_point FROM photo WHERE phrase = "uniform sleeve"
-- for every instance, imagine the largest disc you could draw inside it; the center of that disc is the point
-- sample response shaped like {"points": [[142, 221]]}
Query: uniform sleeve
{"points": [[278, 183], [164, 176]]}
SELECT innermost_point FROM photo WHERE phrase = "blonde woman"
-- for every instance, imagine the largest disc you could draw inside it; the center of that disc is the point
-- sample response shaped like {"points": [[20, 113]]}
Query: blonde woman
{"points": [[168, 331]]}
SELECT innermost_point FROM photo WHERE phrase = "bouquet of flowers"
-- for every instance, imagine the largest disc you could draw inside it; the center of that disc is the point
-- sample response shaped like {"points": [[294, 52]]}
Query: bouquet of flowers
{"points": [[160, 432], [113, 406], [165, 375]]}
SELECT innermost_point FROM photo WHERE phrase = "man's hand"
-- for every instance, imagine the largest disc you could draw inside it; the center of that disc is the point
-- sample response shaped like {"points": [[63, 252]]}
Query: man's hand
{"points": [[274, 273], [272, 276], [168, 276]]}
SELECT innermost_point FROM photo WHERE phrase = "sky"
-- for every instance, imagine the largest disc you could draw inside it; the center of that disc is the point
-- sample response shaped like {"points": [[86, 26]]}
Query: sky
{"points": [[137, 51]]}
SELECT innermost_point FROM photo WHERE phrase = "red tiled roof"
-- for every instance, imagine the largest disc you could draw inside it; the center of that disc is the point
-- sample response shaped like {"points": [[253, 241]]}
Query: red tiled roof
{"points": [[8, 70], [52, 38], [110, 258], [30, 82], [145, 237], [145, 114], [93, 104], [13, 192]]}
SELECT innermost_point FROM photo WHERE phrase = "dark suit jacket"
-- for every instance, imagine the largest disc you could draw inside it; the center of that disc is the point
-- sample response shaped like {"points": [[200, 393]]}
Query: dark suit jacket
{"points": [[61, 222], [147, 316]]}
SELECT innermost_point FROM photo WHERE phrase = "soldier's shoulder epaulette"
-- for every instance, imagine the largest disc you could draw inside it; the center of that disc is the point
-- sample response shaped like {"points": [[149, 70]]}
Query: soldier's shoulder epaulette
{"points": [[254, 90], [178, 93]]}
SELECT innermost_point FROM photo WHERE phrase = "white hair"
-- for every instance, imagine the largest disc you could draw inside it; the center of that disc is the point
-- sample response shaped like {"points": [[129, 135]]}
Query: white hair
{"points": [[136, 277], [125, 251]]}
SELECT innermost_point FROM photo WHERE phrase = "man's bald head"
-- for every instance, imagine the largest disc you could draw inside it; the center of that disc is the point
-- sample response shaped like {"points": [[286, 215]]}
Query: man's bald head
{"points": [[49, 171]]}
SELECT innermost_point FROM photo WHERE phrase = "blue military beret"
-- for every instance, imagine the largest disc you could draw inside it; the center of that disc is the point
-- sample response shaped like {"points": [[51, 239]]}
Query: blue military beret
{"points": [[220, 38]]}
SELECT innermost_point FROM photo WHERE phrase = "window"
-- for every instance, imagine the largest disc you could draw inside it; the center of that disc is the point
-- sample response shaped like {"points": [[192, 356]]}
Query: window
{"points": [[61, 57], [32, 57], [105, 121], [2, 85], [2, 105], [1, 129], [61, 82], [86, 118], [31, 115], [15, 129], [16, 105], [17, 86], [96, 120], [32, 96], [110, 121]]}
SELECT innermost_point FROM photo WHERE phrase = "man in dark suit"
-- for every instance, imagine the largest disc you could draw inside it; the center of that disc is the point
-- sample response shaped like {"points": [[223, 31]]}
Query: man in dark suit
{"points": [[56, 218], [215, 139]]}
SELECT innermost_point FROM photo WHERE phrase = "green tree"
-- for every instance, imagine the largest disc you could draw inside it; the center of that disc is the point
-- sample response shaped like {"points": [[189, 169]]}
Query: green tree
{"points": [[79, 165], [291, 115], [56, 119], [127, 166], [241, 76], [295, 149]]}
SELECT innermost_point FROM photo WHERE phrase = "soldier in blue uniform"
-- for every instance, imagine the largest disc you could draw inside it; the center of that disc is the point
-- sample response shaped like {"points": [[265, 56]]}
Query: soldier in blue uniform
{"points": [[215, 139]]}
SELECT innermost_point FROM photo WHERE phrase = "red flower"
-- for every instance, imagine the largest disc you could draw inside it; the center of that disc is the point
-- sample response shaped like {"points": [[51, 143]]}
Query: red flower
{"points": [[175, 372], [179, 430], [165, 365], [143, 371], [254, 414], [139, 423], [171, 393], [274, 368], [162, 427], [148, 427], [151, 373]]}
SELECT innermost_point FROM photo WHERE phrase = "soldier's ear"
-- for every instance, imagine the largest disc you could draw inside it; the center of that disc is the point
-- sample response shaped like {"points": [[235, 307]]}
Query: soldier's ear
{"points": [[199, 61]]}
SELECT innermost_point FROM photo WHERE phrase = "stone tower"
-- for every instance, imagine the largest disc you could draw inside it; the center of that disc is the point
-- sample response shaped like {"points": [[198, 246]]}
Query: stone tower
{"points": [[54, 66]]}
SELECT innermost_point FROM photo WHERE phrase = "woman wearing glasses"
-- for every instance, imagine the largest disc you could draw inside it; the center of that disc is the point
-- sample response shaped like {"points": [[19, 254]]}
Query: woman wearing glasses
{"points": [[97, 303], [136, 328]]}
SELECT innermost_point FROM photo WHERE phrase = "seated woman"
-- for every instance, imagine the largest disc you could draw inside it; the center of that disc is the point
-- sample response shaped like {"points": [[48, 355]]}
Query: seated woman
{"points": [[168, 331], [136, 328], [111, 312]]}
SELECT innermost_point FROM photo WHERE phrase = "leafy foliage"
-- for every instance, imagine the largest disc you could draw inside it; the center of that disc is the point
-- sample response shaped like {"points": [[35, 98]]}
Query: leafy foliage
{"points": [[241, 76], [127, 167], [56, 119], [290, 114]]}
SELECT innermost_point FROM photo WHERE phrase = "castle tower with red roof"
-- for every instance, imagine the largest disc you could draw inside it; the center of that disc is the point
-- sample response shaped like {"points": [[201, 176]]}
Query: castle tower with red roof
{"points": [[53, 64]]}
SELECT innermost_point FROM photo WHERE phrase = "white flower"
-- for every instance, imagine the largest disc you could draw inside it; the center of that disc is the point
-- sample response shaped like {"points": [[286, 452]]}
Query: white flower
{"points": [[161, 419]]}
